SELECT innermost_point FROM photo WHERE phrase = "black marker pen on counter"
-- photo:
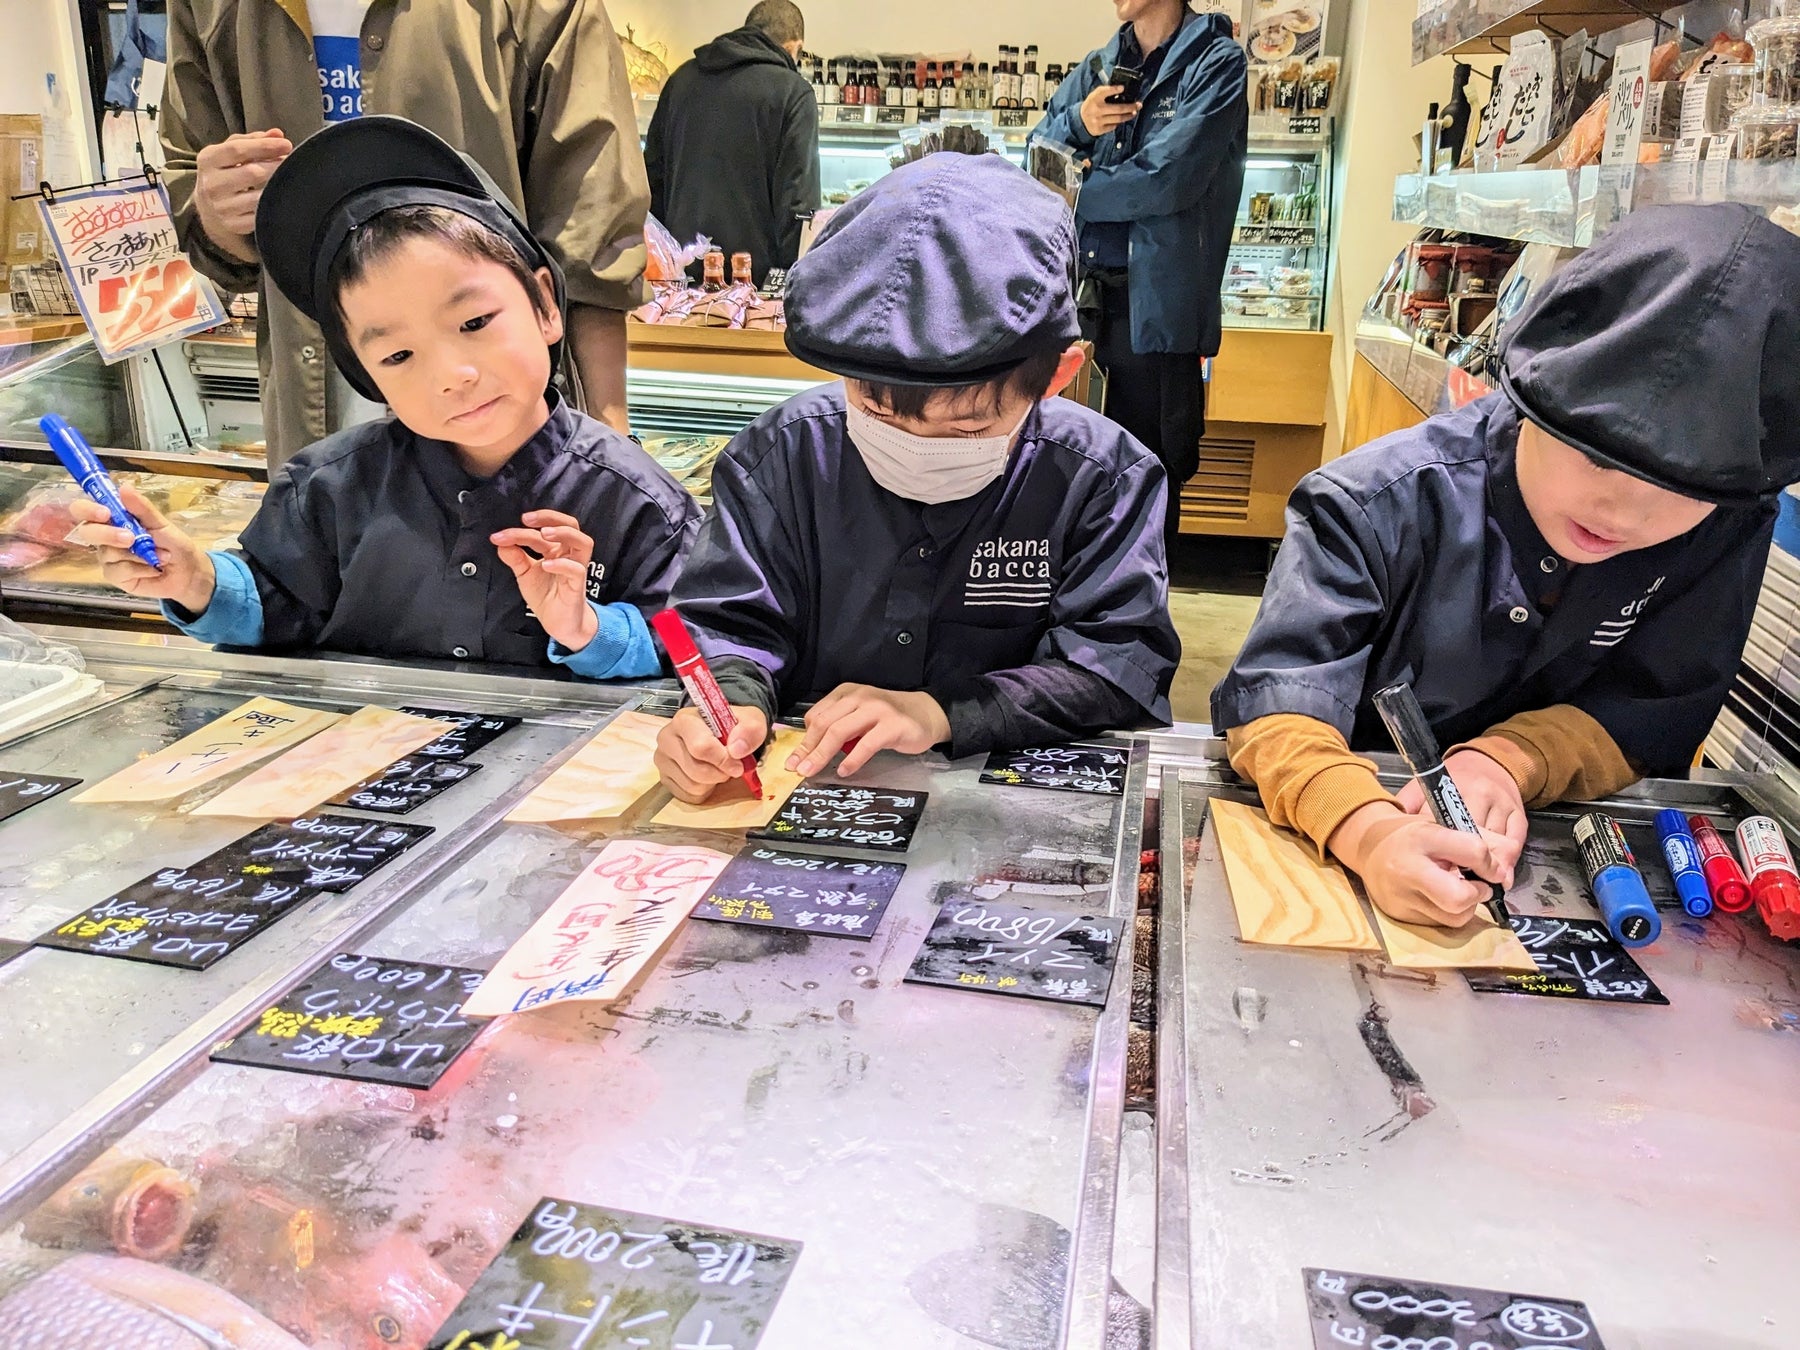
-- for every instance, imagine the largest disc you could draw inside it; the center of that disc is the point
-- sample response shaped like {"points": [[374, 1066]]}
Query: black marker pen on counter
{"points": [[1399, 708]]}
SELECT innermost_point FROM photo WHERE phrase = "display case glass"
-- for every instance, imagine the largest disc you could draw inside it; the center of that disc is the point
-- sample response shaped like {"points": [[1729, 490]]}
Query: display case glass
{"points": [[1281, 244]]}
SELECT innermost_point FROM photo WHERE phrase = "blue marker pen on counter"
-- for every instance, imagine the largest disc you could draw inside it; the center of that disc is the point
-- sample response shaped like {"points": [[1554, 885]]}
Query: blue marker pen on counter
{"points": [[84, 466], [1617, 884], [1683, 856]]}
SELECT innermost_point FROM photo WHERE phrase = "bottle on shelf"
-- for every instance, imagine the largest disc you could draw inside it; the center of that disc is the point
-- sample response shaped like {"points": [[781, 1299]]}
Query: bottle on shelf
{"points": [[984, 87], [1002, 84], [741, 267], [1031, 84], [713, 270], [1053, 78], [1456, 115], [1428, 142], [949, 94], [965, 87], [893, 77], [818, 85], [833, 93], [871, 95], [928, 91]]}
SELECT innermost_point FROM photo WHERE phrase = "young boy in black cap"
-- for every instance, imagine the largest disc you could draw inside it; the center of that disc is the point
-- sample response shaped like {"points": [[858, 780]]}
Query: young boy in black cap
{"points": [[1565, 571], [487, 520], [935, 550]]}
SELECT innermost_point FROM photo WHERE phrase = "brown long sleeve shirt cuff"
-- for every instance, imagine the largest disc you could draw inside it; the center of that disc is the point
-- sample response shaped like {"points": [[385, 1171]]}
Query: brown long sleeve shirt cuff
{"points": [[1309, 779], [1556, 754]]}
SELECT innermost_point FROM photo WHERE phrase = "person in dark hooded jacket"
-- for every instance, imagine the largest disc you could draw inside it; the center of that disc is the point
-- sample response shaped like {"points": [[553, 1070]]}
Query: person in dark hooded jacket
{"points": [[1565, 570], [733, 149]]}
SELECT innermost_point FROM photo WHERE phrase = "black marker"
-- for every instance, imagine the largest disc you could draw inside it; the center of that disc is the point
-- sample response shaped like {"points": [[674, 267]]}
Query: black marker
{"points": [[1399, 708]]}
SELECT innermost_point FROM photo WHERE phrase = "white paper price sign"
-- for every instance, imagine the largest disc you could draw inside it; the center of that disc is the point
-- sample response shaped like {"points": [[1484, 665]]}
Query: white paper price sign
{"points": [[1630, 90], [135, 288]]}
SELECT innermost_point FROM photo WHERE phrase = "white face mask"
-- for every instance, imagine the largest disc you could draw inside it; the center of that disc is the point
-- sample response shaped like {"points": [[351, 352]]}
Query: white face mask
{"points": [[929, 469]]}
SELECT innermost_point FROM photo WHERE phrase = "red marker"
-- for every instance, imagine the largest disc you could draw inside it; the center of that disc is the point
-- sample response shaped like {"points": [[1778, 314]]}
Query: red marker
{"points": [[1773, 881], [1731, 892], [697, 679]]}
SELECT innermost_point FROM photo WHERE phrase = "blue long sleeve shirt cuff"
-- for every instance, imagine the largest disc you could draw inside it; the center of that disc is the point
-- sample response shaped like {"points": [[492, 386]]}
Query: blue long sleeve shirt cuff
{"points": [[621, 649], [234, 616]]}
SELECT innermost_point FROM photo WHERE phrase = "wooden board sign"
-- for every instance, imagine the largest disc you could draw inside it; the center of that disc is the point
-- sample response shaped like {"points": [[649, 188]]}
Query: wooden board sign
{"points": [[732, 807], [246, 735], [602, 780], [1283, 894], [336, 759]]}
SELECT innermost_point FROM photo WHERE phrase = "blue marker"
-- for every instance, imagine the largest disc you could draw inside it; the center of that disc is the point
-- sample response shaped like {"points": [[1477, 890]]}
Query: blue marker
{"points": [[1617, 884], [84, 466], [1683, 856]]}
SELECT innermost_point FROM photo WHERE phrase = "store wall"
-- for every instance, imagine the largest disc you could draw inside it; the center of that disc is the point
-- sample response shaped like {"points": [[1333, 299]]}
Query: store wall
{"points": [[1064, 31], [1384, 107], [43, 37]]}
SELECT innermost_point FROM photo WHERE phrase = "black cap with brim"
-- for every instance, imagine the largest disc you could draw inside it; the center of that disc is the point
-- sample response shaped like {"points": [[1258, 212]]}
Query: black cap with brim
{"points": [[338, 180], [1667, 351]]}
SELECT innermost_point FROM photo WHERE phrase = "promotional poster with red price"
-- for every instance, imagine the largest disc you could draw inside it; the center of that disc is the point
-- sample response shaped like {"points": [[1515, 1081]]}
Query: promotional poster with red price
{"points": [[135, 287]]}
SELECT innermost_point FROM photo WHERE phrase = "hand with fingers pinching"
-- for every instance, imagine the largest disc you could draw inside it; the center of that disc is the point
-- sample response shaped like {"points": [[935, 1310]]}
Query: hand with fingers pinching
{"points": [[186, 575], [229, 178], [862, 721], [1493, 799], [694, 763], [1412, 867], [549, 556]]}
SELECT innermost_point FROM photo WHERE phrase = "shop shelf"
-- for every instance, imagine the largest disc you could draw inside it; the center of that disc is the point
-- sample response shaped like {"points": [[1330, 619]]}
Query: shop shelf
{"points": [[1568, 208], [1538, 206], [1486, 27]]}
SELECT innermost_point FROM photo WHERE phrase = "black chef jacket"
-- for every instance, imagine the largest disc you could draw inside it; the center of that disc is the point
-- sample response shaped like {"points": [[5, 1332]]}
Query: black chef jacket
{"points": [[1034, 611], [1415, 560], [375, 540]]}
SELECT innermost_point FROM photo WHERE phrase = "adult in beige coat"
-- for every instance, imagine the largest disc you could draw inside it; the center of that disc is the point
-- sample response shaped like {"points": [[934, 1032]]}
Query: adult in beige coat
{"points": [[534, 90]]}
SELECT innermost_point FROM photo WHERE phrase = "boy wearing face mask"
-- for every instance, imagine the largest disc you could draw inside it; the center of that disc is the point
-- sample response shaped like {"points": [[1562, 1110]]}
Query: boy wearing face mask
{"points": [[936, 552]]}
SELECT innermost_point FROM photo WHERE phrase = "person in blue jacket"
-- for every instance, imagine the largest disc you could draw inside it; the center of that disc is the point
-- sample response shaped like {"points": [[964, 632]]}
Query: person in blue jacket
{"points": [[487, 520], [1156, 211], [936, 552]]}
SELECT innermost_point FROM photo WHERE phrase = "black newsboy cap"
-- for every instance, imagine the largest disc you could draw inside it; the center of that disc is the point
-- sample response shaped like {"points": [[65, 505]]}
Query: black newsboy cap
{"points": [[1671, 350]]}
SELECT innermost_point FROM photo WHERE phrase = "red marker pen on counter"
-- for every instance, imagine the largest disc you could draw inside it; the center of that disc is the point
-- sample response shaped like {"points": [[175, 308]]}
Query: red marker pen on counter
{"points": [[697, 679], [1773, 882], [1731, 892]]}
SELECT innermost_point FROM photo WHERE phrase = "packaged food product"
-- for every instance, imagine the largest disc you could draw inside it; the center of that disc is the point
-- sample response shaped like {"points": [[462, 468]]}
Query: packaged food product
{"points": [[1724, 50], [1293, 281], [1321, 83], [1737, 86], [1767, 131], [1431, 271], [1777, 44]]}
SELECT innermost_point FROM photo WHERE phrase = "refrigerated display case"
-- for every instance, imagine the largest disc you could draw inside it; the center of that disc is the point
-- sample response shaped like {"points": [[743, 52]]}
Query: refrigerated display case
{"points": [[1281, 246]]}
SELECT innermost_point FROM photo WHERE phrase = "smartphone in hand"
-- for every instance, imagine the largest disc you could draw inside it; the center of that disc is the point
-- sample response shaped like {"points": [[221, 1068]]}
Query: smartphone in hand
{"points": [[1130, 81]]}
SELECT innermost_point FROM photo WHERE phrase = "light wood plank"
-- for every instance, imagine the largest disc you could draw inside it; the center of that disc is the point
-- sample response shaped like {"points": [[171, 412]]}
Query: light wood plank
{"points": [[1481, 944], [246, 735], [1283, 894], [602, 780], [337, 759], [732, 807]]}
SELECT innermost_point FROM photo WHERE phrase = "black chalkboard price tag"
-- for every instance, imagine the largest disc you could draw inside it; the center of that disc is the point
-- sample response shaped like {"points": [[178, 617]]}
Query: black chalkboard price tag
{"points": [[364, 1018], [1576, 958], [1373, 1310], [191, 916], [22, 791], [584, 1275], [9, 949], [474, 731], [806, 892], [1013, 949], [870, 818], [407, 784], [324, 853], [1061, 768]]}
